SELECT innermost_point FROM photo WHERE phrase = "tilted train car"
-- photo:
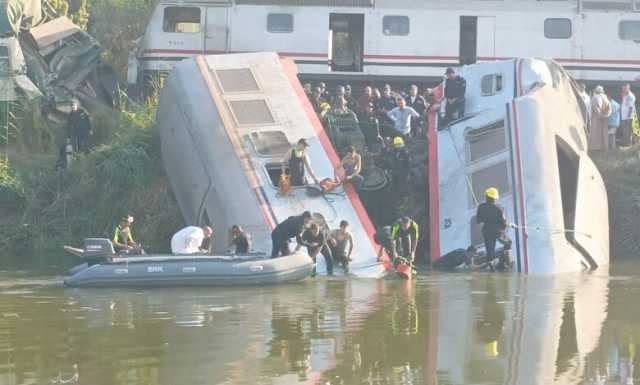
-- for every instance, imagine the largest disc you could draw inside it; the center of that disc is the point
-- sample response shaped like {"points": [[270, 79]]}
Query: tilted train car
{"points": [[525, 133], [397, 39], [226, 123]]}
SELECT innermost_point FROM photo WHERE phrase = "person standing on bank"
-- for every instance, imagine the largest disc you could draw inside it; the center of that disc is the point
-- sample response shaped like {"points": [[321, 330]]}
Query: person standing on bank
{"points": [[401, 117], [627, 112], [79, 126], [297, 161], [291, 227], [494, 223]]}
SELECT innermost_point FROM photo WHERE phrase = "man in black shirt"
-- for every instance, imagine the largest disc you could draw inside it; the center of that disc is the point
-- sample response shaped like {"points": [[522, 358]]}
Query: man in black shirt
{"points": [[240, 241], [316, 242], [454, 91], [79, 127], [284, 231], [494, 224], [417, 102], [455, 258]]}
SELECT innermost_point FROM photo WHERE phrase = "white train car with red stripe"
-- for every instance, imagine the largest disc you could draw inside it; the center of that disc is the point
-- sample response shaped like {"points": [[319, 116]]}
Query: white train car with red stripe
{"points": [[525, 133], [226, 123], [397, 39]]}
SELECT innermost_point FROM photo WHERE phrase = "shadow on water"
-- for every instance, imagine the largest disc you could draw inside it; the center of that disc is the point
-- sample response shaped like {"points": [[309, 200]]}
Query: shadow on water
{"points": [[438, 329]]}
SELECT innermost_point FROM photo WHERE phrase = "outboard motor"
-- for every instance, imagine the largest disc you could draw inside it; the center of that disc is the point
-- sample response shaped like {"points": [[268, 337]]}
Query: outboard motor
{"points": [[97, 250]]}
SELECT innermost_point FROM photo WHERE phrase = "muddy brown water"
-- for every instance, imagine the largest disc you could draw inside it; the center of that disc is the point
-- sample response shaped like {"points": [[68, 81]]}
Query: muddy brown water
{"points": [[437, 329]]}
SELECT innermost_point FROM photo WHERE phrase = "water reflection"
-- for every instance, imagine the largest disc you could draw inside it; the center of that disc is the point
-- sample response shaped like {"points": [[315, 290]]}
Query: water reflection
{"points": [[439, 329]]}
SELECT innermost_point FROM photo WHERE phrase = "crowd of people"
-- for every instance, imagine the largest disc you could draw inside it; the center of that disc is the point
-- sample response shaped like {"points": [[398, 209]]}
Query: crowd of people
{"points": [[612, 123]]}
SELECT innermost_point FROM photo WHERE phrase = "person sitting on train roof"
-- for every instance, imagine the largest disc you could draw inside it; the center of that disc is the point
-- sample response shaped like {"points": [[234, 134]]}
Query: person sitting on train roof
{"points": [[123, 237], [401, 117], [239, 240], [316, 242], [284, 231], [351, 164], [455, 258], [189, 240], [338, 242], [296, 162], [454, 90], [405, 234]]}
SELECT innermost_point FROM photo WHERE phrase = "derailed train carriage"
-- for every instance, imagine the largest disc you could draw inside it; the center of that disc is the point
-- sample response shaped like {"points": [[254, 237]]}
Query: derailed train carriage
{"points": [[524, 132], [226, 123]]}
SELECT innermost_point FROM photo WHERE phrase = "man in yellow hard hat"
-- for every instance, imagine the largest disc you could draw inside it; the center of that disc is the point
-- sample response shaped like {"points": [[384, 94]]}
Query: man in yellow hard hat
{"points": [[494, 225]]}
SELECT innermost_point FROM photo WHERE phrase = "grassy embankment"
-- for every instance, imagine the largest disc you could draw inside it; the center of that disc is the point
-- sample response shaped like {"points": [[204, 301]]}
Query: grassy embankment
{"points": [[40, 208]]}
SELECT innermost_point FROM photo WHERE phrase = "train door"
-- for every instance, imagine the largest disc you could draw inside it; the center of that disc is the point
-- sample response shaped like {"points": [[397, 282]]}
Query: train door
{"points": [[477, 38], [217, 30], [346, 42]]}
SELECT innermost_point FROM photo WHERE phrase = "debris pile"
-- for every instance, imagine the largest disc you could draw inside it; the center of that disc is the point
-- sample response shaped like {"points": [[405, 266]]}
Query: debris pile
{"points": [[46, 55]]}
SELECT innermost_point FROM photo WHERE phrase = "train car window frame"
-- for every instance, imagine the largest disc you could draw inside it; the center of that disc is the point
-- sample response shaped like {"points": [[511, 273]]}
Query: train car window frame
{"points": [[171, 22], [396, 25], [491, 84], [623, 33], [280, 22], [556, 28]]}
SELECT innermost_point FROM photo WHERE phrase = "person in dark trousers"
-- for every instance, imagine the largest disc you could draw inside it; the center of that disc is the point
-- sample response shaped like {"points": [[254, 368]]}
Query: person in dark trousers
{"points": [[455, 258], [297, 161], [417, 102], [291, 227], [316, 243], [454, 91], [494, 226], [239, 242], [369, 124], [79, 126], [405, 234], [398, 161]]}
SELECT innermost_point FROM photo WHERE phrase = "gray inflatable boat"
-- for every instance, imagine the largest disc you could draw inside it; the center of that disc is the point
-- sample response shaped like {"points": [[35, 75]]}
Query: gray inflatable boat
{"points": [[187, 270]]}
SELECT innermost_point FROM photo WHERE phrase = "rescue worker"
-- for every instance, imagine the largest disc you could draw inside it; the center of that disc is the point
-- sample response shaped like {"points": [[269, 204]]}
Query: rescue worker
{"points": [[284, 231], [240, 241], [399, 162], [79, 126], [123, 237], [405, 234], [297, 161], [315, 241], [189, 240], [338, 242], [383, 238], [494, 225], [455, 258], [454, 92]]}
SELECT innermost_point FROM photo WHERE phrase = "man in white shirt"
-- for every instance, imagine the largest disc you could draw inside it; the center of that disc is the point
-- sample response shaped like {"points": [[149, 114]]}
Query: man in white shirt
{"points": [[627, 112], [189, 240], [401, 118]]}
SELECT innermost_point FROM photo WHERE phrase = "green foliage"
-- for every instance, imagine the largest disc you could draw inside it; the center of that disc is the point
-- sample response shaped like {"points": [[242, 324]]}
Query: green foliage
{"points": [[64, 207], [11, 192]]}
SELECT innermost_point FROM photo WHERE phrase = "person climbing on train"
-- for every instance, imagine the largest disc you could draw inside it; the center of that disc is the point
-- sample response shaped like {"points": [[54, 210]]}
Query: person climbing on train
{"points": [[190, 240], [123, 237], [454, 92], [297, 161], [494, 226], [405, 234], [398, 162], [341, 244], [291, 227], [383, 238], [351, 163], [239, 240], [315, 241]]}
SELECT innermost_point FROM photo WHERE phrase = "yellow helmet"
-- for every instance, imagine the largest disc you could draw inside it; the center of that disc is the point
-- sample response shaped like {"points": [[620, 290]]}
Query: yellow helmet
{"points": [[492, 193], [491, 349], [398, 141]]}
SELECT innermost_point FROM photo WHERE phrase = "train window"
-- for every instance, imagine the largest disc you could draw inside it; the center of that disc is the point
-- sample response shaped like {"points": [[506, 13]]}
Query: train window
{"points": [[485, 141], [557, 28], [181, 20], [491, 84], [396, 25], [493, 176], [270, 143], [629, 30], [280, 22]]}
